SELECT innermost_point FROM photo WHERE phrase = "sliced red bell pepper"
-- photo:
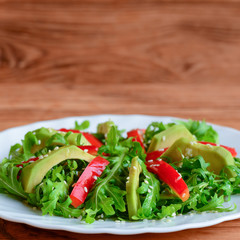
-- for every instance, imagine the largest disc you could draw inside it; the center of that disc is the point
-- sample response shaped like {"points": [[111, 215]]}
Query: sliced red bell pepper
{"points": [[91, 139], [231, 150], [170, 176], [29, 160], [87, 179], [155, 154], [137, 135], [93, 150]]}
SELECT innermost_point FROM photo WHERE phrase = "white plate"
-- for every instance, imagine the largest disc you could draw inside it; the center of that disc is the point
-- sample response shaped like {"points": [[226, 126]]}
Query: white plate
{"points": [[15, 210]]}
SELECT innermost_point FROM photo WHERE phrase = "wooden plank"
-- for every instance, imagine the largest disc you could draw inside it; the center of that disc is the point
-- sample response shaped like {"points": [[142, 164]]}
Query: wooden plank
{"points": [[69, 58]]}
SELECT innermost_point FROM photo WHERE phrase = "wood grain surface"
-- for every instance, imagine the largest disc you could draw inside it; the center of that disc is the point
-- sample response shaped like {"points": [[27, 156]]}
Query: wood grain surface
{"points": [[68, 58]]}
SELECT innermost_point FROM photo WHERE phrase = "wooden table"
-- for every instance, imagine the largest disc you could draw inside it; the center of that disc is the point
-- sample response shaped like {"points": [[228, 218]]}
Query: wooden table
{"points": [[67, 58]]}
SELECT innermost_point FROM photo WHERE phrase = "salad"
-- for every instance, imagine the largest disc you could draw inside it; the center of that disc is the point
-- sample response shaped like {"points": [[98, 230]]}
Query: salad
{"points": [[161, 171]]}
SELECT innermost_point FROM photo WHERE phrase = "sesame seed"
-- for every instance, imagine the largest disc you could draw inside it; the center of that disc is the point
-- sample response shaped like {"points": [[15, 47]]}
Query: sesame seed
{"points": [[127, 181], [150, 160], [95, 177], [49, 151], [134, 168], [161, 149], [146, 181], [40, 157], [149, 190], [117, 221], [65, 182], [85, 189], [127, 178], [159, 159], [179, 177], [102, 215], [56, 148], [163, 138], [46, 155], [85, 150], [147, 176], [39, 142], [151, 187], [20, 166]]}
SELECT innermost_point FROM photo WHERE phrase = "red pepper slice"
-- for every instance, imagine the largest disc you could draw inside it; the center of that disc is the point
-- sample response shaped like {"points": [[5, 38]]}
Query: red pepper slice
{"points": [[93, 150], [231, 150], [91, 139], [29, 160], [170, 176], [87, 179], [155, 154], [137, 135]]}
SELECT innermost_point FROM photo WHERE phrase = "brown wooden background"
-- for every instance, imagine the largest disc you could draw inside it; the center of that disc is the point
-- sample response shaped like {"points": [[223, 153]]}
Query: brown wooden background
{"points": [[67, 58]]}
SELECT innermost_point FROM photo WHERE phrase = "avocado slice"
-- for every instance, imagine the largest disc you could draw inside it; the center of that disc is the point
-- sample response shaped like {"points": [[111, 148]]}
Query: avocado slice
{"points": [[218, 157], [43, 134], [105, 127], [133, 200], [167, 137], [34, 173]]}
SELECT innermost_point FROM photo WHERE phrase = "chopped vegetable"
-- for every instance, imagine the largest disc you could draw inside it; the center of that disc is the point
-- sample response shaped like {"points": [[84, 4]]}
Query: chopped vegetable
{"points": [[171, 177], [86, 180], [137, 135]]}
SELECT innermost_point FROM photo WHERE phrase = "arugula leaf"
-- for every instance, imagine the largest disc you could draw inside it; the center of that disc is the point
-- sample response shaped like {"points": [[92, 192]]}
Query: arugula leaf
{"points": [[58, 139], [201, 130], [151, 188], [82, 126], [66, 209], [14, 151], [9, 180], [29, 140], [112, 137], [169, 211]]}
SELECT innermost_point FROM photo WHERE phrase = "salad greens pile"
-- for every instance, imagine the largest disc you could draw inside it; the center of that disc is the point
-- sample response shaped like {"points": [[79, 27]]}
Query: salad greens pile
{"points": [[107, 198]]}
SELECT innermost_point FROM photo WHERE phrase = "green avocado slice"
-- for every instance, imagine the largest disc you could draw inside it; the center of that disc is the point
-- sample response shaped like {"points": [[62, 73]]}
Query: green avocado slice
{"points": [[167, 137], [34, 173], [133, 200], [43, 134], [217, 156], [105, 127]]}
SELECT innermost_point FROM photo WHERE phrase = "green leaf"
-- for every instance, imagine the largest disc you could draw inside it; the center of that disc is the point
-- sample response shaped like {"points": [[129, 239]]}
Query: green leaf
{"points": [[82, 126], [68, 211], [152, 192], [169, 211], [49, 206], [112, 137], [58, 138], [106, 204], [9, 180], [201, 130], [117, 195], [14, 151], [29, 140]]}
